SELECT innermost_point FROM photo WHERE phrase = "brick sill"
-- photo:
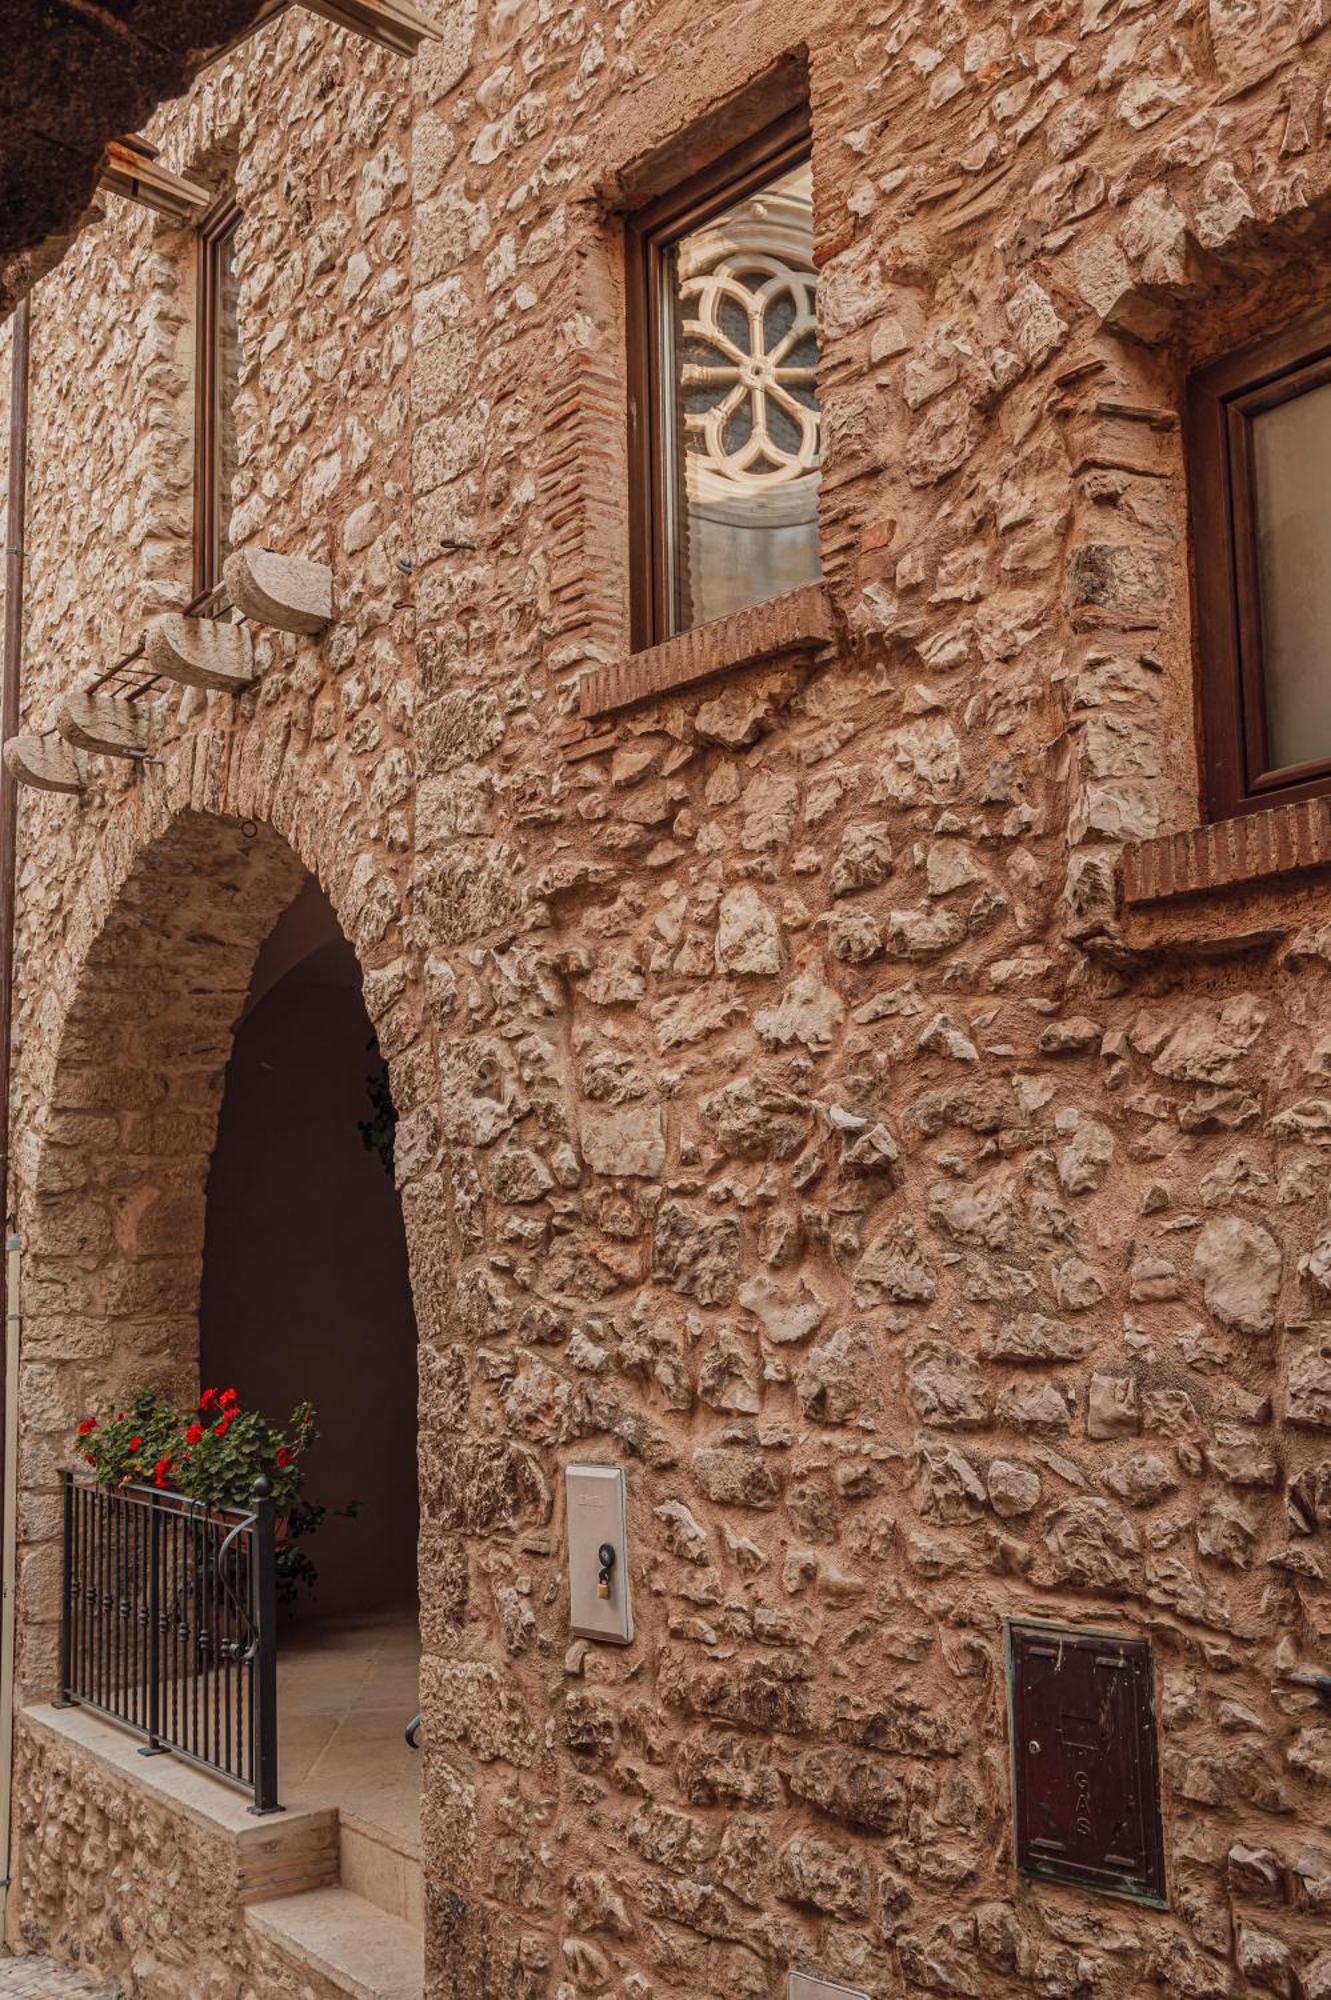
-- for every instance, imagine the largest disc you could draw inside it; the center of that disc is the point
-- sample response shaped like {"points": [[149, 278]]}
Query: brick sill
{"points": [[796, 622], [1230, 854]]}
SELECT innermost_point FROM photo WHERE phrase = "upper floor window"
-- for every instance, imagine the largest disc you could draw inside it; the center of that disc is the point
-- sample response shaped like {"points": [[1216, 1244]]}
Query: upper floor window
{"points": [[217, 381], [1260, 461], [723, 401]]}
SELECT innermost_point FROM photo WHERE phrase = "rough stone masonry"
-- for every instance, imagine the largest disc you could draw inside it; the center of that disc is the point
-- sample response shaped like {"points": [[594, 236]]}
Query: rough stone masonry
{"points": [[789, 1110]]}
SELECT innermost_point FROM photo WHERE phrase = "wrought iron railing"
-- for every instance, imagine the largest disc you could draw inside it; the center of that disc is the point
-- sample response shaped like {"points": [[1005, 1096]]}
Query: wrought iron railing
{"points": [[169, 1625]]}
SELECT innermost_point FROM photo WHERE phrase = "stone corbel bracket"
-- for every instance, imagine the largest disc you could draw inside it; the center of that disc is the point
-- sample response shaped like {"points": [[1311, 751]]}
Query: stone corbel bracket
{"points": [[45, 763], [286, 592], [106, 724], [200, 652]]}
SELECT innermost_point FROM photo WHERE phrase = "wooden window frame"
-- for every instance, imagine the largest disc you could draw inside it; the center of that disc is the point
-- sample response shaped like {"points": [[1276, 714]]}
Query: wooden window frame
{"points": [[1231, 683], [214, 229], [650, 234]]}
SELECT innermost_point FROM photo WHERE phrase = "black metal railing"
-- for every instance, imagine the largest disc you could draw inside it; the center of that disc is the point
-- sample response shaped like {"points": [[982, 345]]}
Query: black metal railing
{"points": [[169, 1625]]}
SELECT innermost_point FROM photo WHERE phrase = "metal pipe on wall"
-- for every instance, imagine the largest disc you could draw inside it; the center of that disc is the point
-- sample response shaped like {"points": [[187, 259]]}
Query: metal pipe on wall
{"points": [[10, 676]]}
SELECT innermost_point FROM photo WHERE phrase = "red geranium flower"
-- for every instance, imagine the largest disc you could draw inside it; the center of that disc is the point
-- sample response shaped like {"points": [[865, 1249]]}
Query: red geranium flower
{"points": [[207, 1399], [221, 1428], [229, 1396], [88, 1425], [194, 1435], [134, 1443], [283, 1456], [162, 1470]]}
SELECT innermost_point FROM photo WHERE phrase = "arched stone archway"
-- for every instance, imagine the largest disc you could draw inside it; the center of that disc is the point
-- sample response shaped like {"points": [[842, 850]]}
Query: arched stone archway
{"points": [[113, 1206]]}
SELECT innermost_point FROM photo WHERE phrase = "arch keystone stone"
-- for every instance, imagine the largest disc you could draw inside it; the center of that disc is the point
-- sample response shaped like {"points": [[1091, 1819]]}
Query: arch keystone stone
{"points": [[106, 724], [201, 652], [287, 592], [44, 762]]}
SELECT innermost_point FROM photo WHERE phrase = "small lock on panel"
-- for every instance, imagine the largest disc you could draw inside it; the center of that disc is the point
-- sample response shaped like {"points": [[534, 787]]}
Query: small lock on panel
{"points": [[599, 1602]]}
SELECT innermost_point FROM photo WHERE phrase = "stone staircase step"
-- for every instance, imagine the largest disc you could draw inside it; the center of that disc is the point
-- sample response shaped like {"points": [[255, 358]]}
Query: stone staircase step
{"points": [[382, 1868], [342, 1945]]}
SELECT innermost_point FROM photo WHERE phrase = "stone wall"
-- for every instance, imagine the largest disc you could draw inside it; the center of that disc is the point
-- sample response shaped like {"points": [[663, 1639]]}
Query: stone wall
{"points": [[144, 903], [788, 1114], [104, 1879]]}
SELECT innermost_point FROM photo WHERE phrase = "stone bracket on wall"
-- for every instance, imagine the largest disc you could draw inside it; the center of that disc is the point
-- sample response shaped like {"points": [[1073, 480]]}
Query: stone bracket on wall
{"points": [[201, 652], [393, 24], [46, 763], [106, 724], [132, 168], [287, 592]]}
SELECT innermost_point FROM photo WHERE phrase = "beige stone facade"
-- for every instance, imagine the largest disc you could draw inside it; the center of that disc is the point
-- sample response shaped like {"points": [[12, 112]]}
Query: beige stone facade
{"points": [[792, 1110]]}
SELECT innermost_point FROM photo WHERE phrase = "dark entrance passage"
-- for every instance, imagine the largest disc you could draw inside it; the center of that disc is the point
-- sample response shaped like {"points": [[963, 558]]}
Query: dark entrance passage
{"points": [[305, 1289]]}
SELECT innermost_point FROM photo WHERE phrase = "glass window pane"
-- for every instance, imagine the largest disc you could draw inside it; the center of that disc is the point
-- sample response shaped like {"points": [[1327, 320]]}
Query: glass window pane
{"points": [[741, 419], [1291, 456], [226, 384]]}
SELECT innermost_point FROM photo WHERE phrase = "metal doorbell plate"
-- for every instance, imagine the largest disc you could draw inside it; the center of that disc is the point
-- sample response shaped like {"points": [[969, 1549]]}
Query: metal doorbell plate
{"points": [[600, 1605]]}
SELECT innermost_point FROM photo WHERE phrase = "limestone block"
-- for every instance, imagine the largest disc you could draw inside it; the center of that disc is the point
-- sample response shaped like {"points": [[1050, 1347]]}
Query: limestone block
{"points": [[787, 1313], [821, 1875], [470, 1704], [947, 1486], [838, 1383], [1014, 1488], [1265, 1960], [750, 1122], [698, 1254], [1111, 1406], [850, 1786], [945, 1387], [1089, 1544], [1141, 1477], [104, 723], [735, 1477], [1239, 1265], [626, 1141], [748, 937], [1309, 1392], [44, 762], [768, 1694], [808, 1011], [286, 592], [1317, 1977], [1035, 1338], [201, 652]]}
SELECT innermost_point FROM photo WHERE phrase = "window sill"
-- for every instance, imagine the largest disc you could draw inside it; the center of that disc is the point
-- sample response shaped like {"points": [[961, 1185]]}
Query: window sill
{"points": [[1207, 889], [1228, 854], [796, 622]]}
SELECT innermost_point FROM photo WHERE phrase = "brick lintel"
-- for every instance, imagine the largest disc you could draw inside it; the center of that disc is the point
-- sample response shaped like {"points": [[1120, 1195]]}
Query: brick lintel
{"points": [[798, 620], [1228, 854]]}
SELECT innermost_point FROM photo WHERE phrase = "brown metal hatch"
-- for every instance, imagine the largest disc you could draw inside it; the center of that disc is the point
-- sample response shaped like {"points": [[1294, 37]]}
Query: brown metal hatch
{"points": [[1085, 1773]]}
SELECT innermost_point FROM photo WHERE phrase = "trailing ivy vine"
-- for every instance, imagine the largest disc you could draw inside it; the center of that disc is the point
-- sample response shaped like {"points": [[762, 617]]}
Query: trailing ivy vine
{"points": [[379, 1130]]}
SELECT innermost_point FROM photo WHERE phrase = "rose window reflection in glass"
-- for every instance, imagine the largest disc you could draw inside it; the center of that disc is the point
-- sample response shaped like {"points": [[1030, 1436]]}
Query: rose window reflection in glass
{"points": [[741, 423]]}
